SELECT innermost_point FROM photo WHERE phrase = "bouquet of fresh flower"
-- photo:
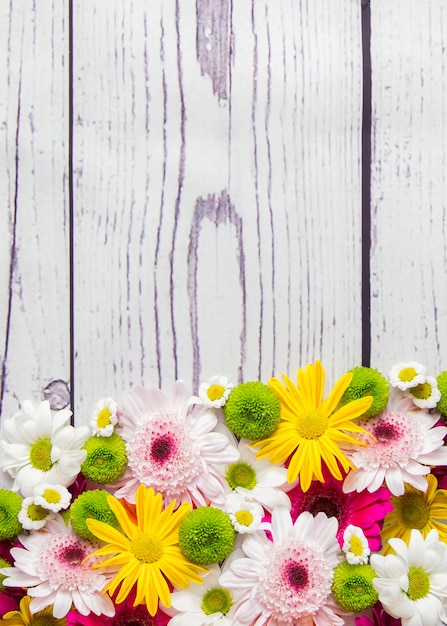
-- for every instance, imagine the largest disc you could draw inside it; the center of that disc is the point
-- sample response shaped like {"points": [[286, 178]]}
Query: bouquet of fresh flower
{"points": [[247, 504]]}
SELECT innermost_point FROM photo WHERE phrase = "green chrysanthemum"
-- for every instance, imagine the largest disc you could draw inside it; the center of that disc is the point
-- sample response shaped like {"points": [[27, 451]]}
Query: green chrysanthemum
{"points": [[352, 586], [3, 563], [10, 505], [367, 381], [206, 535], [217, 600], [91, 505], [106, 459], [252, 411], [442, 386]]}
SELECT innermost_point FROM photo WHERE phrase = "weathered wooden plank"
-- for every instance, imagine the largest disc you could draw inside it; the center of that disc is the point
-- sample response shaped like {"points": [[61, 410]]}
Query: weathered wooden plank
{"points": [[34, 264], [409, 198], [217, 191]]}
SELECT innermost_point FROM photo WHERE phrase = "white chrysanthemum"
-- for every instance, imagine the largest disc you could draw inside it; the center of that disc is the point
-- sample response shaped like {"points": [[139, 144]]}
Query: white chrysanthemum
{"points": [[42, 447], [256, 480], [52, 497], [215, 392], [355, 545], [172, 446], [207, 604], [287, 580], [104, 417], [426, 394], [245, 516], [32, 516], [407, 441], [52, 566], [406, 375], [412, 584]]}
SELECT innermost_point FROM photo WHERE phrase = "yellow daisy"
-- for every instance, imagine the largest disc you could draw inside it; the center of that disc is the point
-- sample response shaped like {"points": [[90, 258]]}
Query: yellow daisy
{"points": [[24, 617], [423, 510], [311, 428], [147, 554]]}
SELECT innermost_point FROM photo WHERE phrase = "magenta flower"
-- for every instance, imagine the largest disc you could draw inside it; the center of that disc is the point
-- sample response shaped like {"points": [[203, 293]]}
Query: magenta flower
{"points": [[365, 510], [8, 603], [379, 618]]}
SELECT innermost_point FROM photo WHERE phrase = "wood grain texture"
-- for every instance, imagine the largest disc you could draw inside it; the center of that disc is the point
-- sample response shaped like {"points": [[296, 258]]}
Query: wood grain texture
{"points": [[409, 198], [217, 191], [34, 264]]}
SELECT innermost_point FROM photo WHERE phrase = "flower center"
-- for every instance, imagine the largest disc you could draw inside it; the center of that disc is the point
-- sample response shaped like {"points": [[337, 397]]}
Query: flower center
{"points": [[311, 424], [324, 504], [103, 418], [37, 513], [245, 518], [384, 433], [356, 546], [40, 454], [217, 600], [241, 475], [52, 496], [412, 509], [146, 549], [73, 555], [44, 620], [137, 616], [297, 575], [215, 392], [418, 583], [407, 374], [422, 391], [161, 448]]}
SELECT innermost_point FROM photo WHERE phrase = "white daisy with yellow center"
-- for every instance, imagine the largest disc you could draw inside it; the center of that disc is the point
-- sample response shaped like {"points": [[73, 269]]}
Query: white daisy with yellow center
{"points": [[406, 375], [52, 497], [245, 516], [33, 516], [104, 417], [425, 395], [215, 392], [355, 545]]}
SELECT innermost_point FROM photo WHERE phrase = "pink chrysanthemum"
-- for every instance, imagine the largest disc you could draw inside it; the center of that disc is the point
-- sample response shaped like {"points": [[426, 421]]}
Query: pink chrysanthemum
{"points": [[51, 565], [406, 442], [363, 509], [287, 580], [172, 447]]}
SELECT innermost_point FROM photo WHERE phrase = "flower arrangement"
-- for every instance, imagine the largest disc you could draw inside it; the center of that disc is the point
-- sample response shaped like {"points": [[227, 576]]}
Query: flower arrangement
{"points": [[249, 504]]}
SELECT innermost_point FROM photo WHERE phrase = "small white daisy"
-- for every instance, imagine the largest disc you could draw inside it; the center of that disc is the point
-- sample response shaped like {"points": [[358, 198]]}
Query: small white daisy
{"points": [[52, 497], [53, 565], [245, 516], [425, 395], [355, 545], [412, 584], [406, 375], [256, 480], [287, 580], [215, 392], [40, 446], [406, 442], [33, 516], [104, 417]]}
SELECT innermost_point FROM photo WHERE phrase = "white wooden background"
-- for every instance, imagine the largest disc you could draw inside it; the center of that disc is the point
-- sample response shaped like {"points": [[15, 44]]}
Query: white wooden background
{"points": [[180, 189]]}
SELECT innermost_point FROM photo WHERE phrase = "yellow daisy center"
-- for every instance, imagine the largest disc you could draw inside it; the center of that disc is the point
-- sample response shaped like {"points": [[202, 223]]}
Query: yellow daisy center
{"points": [[52, 496], [215, 392], [217, 600], [418, 583], [146, 549], [103, 418], [412, 509], [40, 454], [245, 518], [422, 391], [36, 513], [311, 424], [355, 546], [407, 374]]}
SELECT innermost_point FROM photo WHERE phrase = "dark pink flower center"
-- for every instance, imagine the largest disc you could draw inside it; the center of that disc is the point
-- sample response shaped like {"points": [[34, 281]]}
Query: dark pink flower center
{"points": [[384, 433], [73, 556], [162, 448], [297, 575]]}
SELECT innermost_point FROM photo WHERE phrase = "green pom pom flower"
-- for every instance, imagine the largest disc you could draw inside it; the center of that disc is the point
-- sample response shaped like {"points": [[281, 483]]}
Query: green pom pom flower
{"points": [[367, 381], [252, 411], [206, 535], [91, 505], [442, 386], [106, 459], [352, 586], [10, 506]]}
